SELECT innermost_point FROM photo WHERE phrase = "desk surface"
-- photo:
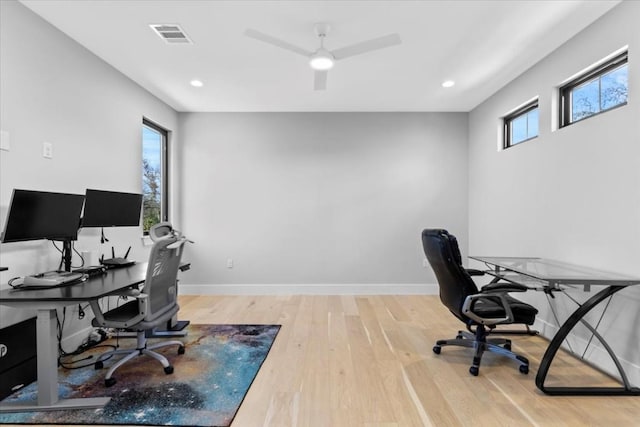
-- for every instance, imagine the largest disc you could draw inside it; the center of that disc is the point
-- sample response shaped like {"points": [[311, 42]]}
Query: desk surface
{"points": [[45, 302], [93, 288], [557, 272]]}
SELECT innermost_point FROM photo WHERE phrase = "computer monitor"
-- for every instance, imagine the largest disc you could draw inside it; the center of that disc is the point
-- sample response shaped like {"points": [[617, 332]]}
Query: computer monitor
{"points": [[111, 209], [35, 215]]}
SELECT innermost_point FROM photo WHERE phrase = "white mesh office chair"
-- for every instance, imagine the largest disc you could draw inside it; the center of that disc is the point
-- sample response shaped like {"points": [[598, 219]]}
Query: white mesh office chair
{"points": [[152, 306]]}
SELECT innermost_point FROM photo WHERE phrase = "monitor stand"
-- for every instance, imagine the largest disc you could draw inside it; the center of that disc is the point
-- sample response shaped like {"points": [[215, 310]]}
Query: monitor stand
{"points": [[67, 253]]}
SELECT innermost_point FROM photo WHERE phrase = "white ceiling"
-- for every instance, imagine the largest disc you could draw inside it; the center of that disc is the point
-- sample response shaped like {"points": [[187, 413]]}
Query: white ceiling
{"points": [[482, 45]]}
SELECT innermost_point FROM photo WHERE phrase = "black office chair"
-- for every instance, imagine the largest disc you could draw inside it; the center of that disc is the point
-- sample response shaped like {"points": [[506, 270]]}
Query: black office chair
{"points": [[153, 305], [480, 309]]}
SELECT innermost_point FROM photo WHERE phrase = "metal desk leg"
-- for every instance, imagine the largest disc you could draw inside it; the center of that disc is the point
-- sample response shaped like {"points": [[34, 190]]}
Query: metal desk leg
{"points": [[47, 358], [48, 399], [556, 342]]}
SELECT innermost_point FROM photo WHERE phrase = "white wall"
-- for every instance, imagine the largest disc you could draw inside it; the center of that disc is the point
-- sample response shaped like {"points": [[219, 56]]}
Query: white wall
{"points": [[320, 198], [334, 199], [55, 90], [571, 194]]}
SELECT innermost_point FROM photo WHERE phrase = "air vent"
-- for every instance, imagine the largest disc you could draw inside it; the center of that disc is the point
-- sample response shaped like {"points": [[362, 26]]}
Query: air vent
{"points": [[171, 33]]}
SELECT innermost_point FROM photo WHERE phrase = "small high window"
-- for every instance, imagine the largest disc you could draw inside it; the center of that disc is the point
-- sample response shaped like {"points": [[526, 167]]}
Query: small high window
{"points": [[521, 125], [598, 90]]}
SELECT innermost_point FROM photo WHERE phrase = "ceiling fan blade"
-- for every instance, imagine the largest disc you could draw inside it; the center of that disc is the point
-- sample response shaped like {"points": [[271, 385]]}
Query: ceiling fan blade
{"points": [[369, 45], [320, 80], [276, 42]]}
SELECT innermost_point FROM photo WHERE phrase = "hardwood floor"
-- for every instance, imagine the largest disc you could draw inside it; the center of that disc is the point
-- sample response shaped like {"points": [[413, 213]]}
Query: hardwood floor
{"points": [[368, 361]]}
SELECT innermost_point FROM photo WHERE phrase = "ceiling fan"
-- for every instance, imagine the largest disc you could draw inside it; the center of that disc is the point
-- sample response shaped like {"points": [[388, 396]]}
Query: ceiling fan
{"points": [[322, 60]]}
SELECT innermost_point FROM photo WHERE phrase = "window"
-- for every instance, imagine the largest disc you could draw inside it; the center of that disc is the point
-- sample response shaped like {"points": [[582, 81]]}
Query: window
{"points": [[521, 125], [598, 90], [154, 175]]}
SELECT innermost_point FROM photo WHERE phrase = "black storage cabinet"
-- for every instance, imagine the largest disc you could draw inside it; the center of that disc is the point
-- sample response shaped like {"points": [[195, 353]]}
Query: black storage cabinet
{"points": [[18, 359]]}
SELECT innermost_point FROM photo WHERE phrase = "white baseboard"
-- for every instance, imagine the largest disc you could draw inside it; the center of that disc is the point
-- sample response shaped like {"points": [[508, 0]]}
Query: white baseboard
{"points": [[309, 289]]}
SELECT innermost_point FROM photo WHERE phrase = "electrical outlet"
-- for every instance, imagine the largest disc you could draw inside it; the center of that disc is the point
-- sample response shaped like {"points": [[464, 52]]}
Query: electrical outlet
{"points": [[229, 263], [47, 150]]}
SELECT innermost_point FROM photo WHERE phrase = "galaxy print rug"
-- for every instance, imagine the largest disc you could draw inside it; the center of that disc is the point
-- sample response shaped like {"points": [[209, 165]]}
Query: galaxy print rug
{"points": [[206, 389]]}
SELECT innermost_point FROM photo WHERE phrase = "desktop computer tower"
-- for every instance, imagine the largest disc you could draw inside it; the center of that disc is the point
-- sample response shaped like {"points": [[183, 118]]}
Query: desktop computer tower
{"points": [[18, 358]]}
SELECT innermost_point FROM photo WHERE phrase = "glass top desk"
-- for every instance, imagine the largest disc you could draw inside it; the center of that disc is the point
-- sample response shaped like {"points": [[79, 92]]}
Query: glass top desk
{"points": [[549, 276]]}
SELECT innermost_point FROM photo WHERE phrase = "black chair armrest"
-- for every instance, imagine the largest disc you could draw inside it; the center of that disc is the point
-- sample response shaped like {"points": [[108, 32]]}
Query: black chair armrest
{"points": [[467, 309], [503, 287], [474, 272]]}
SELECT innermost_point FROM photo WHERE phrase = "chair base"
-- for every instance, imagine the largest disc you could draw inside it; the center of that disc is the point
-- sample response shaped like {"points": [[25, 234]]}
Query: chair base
{"points": [[481, 343], [141, 349]]}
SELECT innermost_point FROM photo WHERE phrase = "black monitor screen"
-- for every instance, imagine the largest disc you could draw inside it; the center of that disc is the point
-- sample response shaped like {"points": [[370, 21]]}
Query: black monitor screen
{"points": [[111, 209], [42, 215]]}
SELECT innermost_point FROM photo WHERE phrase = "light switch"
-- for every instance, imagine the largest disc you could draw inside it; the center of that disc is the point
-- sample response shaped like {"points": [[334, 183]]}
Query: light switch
{"points": [[5, 143], [47, 150]]}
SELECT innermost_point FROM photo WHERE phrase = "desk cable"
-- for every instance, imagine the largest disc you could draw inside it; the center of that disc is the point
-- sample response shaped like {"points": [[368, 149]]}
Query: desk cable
{"points": [[73, 248], [62, 353], [86, 346]]}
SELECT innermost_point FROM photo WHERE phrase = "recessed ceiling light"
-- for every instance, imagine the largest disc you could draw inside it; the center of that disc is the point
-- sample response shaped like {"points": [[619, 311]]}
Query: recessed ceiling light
{"points": [[448, 83], [196, 83]]}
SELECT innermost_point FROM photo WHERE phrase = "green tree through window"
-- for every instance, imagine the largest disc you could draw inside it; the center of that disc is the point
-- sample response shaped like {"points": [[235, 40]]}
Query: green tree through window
{"points": [[154, 175]]}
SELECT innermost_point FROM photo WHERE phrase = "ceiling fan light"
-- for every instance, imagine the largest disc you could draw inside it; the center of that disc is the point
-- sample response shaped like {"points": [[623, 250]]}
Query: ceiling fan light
{"points": [[321, 61]]}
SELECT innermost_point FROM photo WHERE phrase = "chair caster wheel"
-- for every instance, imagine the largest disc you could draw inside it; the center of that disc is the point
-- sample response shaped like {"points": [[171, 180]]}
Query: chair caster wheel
{"points": [[437, 349], [98, 365], [168, 370], [180, 350], [474, 370], [524, 369], [109, 382], [459, 336]]}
